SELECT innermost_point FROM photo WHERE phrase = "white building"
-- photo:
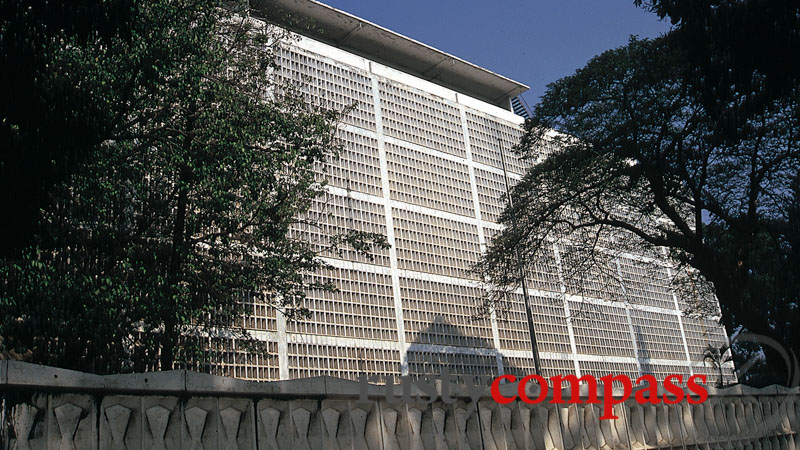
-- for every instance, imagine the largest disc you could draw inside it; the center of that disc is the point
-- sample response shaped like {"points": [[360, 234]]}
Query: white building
{"points": [[423, 166]]}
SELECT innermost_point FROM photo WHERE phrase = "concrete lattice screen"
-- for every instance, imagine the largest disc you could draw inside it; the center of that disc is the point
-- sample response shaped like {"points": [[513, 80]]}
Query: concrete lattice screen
{"points": [[426, 165], [48, 408]]}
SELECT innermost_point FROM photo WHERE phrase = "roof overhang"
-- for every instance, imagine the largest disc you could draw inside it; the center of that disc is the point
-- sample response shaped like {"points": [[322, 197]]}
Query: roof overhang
{"points": [[340, 29]]}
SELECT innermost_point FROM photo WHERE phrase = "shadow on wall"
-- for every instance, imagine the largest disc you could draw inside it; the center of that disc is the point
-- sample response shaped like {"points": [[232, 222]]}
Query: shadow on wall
{"points": [[644, 351], [442, 345]]}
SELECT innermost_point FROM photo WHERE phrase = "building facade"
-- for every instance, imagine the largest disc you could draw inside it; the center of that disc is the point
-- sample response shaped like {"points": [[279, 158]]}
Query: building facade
{"points": [[425, 146]]}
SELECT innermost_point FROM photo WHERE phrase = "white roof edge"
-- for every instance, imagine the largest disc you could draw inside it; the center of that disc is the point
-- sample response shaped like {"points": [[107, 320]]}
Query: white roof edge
{"points": [[382, 45]]}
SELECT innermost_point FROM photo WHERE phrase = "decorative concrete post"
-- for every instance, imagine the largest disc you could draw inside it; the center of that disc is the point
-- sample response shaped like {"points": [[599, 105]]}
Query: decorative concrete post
{"points": [[23, 419]]}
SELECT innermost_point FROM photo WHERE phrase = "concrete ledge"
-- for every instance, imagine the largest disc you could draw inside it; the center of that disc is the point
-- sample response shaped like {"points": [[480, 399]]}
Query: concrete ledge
{"points": [[163, 382], [34, 376], [783, 390], [22, 375]]}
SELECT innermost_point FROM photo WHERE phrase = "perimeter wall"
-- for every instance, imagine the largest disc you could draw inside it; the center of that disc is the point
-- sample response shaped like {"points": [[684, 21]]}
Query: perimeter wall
{"points": [[48, 408]]}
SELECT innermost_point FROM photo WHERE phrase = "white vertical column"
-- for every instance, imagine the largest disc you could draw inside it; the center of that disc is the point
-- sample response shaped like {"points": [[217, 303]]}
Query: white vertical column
{"points": [[481, 237], [387, 204], [680, 325], [628, 316], [283, 345], [570, 330]]}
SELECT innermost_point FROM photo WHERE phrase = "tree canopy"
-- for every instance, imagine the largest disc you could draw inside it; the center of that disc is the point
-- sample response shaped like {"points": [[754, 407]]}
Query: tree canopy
{"points": [[639, 162], [727, 41], [183, 203], [53, 110]]}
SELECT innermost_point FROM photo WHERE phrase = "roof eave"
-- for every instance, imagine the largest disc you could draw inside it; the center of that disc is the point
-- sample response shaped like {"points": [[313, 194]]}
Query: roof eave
{"points": [[361, 37]]}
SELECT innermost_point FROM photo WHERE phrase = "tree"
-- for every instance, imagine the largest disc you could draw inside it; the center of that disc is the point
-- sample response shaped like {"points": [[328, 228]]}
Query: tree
{"points": [[51, 111], [184, 208], [726, 42], [642, 164], [717, 357]]}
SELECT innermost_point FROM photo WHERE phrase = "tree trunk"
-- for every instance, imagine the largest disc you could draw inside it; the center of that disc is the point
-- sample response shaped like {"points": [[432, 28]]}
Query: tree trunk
{"points": [[178, 254]]}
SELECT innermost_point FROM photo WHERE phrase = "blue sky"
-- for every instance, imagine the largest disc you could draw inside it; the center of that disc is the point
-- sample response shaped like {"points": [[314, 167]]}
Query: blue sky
{"points": [[534, 42]]}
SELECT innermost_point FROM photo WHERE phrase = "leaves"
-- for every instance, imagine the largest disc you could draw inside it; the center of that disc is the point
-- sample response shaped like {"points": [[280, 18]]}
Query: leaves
{"points": [[640, 164], [183, 207]]}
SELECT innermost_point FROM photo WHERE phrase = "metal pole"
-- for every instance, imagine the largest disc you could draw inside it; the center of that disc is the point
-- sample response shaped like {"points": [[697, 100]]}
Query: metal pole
{"points": [[537, 366]]}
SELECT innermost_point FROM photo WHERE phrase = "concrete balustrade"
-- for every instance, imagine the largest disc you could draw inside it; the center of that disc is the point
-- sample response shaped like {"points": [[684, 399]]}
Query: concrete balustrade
{"points": [[45, 408]]}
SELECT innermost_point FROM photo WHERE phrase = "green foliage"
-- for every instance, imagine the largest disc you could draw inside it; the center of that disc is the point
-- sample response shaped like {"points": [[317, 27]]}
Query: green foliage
{"points": [[728, 42], [51, 110], [717, 357], [183, 207], [640, 163]]}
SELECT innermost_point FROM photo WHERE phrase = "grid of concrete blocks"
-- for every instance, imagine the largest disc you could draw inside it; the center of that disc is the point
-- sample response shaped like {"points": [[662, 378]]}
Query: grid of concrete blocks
{"points": [[423, 166]]}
